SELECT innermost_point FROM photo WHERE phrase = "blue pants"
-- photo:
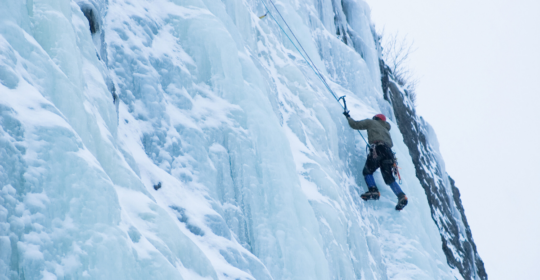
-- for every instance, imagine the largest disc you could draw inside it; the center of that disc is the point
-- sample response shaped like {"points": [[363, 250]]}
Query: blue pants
{"points": [[394, 186], [384, 160]]}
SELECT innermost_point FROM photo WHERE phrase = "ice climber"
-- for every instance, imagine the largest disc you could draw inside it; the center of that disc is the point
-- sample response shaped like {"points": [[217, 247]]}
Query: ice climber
{"points": [[380, 155]]}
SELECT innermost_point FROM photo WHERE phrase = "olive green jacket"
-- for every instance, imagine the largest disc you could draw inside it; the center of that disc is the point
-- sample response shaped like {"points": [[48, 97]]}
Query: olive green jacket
{"points": [[377, 130]]}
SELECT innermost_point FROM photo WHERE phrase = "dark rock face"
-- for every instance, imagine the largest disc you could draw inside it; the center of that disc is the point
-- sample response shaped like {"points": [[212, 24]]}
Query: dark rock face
{"points": [[471, 246], [443, 197]]}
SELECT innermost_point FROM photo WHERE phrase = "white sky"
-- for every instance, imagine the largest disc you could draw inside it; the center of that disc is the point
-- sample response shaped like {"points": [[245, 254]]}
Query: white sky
{"points": [[479, 68]]}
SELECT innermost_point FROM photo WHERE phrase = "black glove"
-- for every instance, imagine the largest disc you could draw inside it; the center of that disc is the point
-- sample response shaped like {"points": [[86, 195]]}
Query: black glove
{"points": [[346, 113]]}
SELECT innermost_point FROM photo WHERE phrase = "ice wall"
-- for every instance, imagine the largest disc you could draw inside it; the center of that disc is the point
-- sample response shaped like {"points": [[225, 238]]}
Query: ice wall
{"points": [[257, 174]]}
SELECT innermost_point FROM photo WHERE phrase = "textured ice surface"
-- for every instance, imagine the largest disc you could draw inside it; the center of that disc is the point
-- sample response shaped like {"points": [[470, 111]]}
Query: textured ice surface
{"points": [[260, 174]]}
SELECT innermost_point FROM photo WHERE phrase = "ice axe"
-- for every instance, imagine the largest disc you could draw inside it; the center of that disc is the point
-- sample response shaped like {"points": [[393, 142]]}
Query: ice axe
{"points": [[345, 111]]}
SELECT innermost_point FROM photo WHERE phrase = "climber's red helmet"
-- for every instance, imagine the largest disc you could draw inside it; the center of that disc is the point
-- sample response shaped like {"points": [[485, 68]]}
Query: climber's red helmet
{"points": [[380, 116]]}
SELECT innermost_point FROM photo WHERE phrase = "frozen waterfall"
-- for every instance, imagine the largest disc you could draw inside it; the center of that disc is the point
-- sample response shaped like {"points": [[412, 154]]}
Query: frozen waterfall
{"points": [[260, 174]]}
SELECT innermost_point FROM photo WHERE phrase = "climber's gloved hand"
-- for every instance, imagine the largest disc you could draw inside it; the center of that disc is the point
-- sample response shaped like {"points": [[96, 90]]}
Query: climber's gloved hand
{"points": [[346, 113]]}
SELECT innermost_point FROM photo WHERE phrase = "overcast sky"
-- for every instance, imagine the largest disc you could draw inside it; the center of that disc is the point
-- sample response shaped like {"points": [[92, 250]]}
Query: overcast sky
{"points": [[479, 68]]}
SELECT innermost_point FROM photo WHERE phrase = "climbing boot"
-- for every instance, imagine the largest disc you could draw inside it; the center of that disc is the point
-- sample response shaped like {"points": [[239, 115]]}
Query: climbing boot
{"points": [[372, 193], [402, 201]]}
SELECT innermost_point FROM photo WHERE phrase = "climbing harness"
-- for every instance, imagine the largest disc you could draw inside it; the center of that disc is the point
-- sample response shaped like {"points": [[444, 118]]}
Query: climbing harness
{"points": [[371, 150], [308, 59]]}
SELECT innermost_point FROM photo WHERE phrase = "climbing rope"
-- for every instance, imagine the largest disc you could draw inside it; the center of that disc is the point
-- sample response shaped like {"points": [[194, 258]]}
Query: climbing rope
{"points": [[308, 59]]}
